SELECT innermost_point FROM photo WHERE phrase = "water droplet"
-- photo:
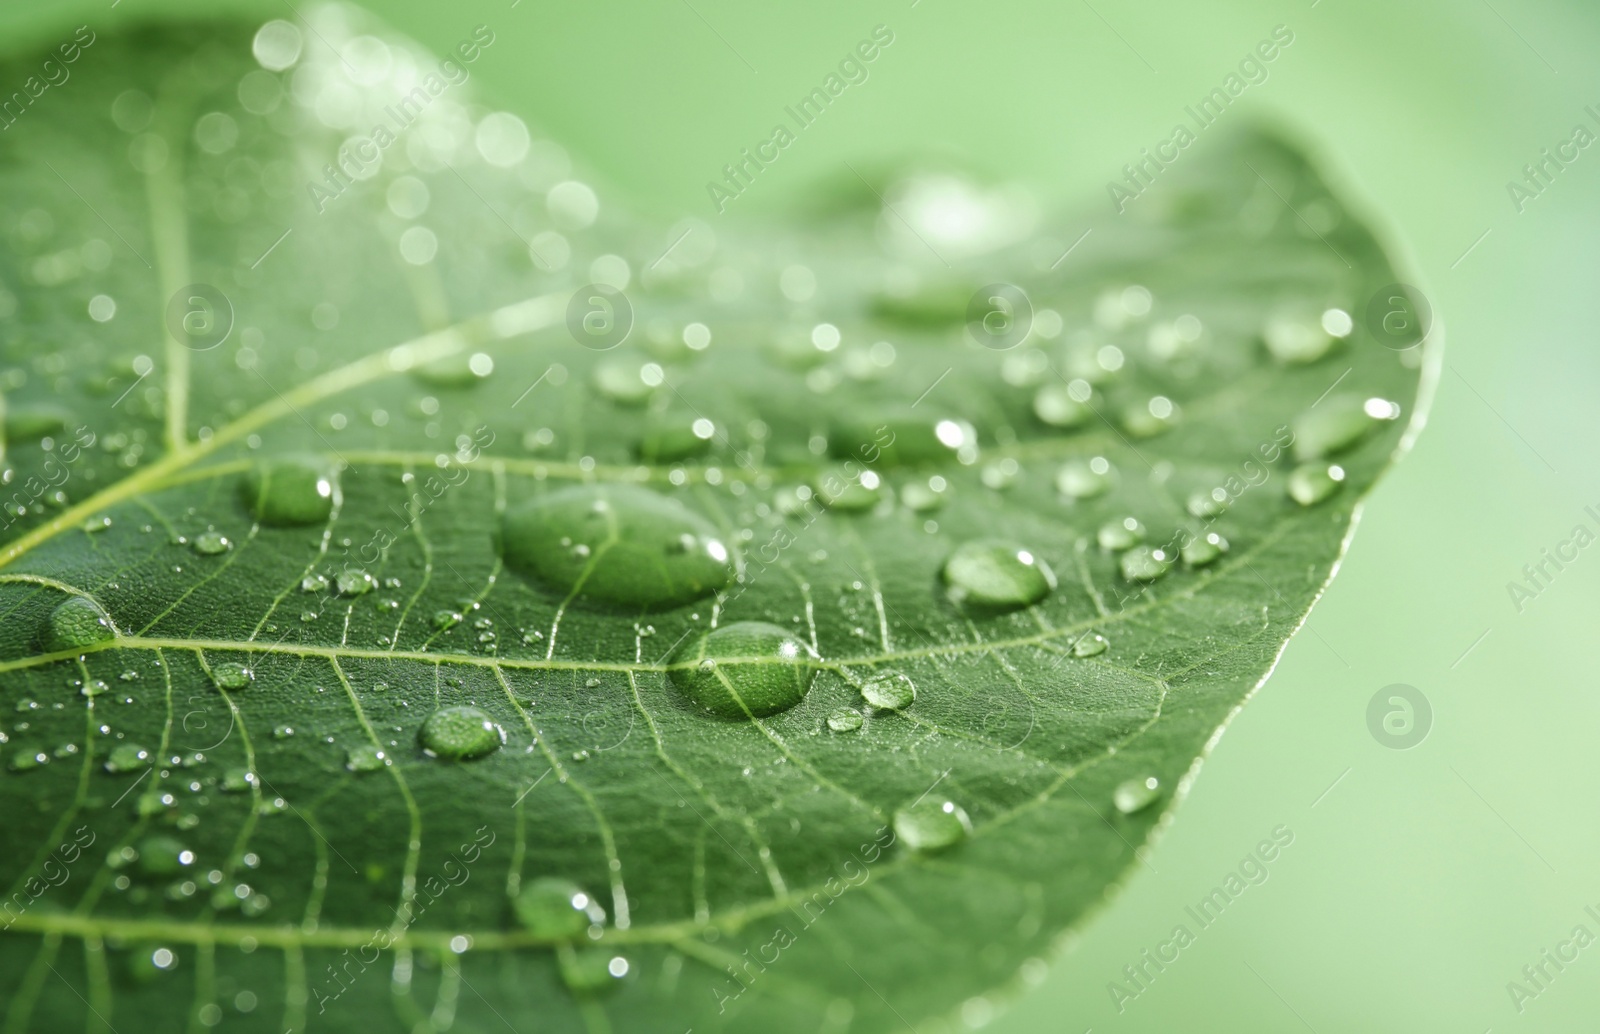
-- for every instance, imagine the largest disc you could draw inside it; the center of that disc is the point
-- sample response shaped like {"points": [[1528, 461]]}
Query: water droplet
{"points": [[746, 668], [891, 691], [623, 381], [365, 758], [283, 732], [127, 757], [460, 733], [31, 421], [1297, 337], [288, 492], [993, 573], [1311, 483], [230, 675], [896, 441], [446, 619], [931, 824], [1136, 794], [592, 970], [1145, 563], [1084, 479], [1056, 405], [313, 583], [94, 688], [849, 494], [1337, 424], [1150, 418], [1203, 549], [926, 496], [1120, 534], [239, 780], [355, 582], [77, 624], [163, 856], [461, 370], [641, 549], [1208, 504], [555, 909], [846, 719], [1090, 645], [210, 543]]}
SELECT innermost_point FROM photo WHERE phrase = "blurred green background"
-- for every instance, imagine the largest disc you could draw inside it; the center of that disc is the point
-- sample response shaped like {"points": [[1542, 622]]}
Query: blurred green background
{"points": [[1423, 882]]}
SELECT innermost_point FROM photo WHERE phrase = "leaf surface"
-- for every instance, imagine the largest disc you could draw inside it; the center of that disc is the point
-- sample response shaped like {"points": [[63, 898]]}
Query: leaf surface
{"points": [[962, 594]]}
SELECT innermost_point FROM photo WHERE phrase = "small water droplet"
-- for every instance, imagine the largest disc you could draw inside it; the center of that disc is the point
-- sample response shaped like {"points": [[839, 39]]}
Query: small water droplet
{"points": [[1311, 483], [931, 824], [127, 757], [846, 719], [288, 492], [1121, 534], [994, 573], [641, 549], [355, 582], [231, 675], [460, 733], [1145, 563], [1136, 794], [1337, 424], [1090, 645], [1084, 479], [1203, 549], [555, 909], [210, 543], [365, 758], [444, 620], [891, 691]]}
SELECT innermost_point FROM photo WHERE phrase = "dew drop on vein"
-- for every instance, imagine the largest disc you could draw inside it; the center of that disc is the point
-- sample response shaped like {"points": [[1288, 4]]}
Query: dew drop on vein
{"points": [[748, 668]]}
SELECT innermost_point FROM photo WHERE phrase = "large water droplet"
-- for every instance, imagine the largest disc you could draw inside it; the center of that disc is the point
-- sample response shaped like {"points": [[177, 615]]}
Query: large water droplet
{"points": [[1136, 794], [931, 824], [460, 733], [1311, 483], [993, 573], [555, 909], [1337, 424], [617, 544], [355, 582], [748, 668], [461, 370], [890, 691], [288, 492], [77, 624]]}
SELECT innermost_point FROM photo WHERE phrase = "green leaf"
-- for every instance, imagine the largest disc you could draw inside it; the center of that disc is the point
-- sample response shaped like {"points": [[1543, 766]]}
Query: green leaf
{"points": [[359, 670]]}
